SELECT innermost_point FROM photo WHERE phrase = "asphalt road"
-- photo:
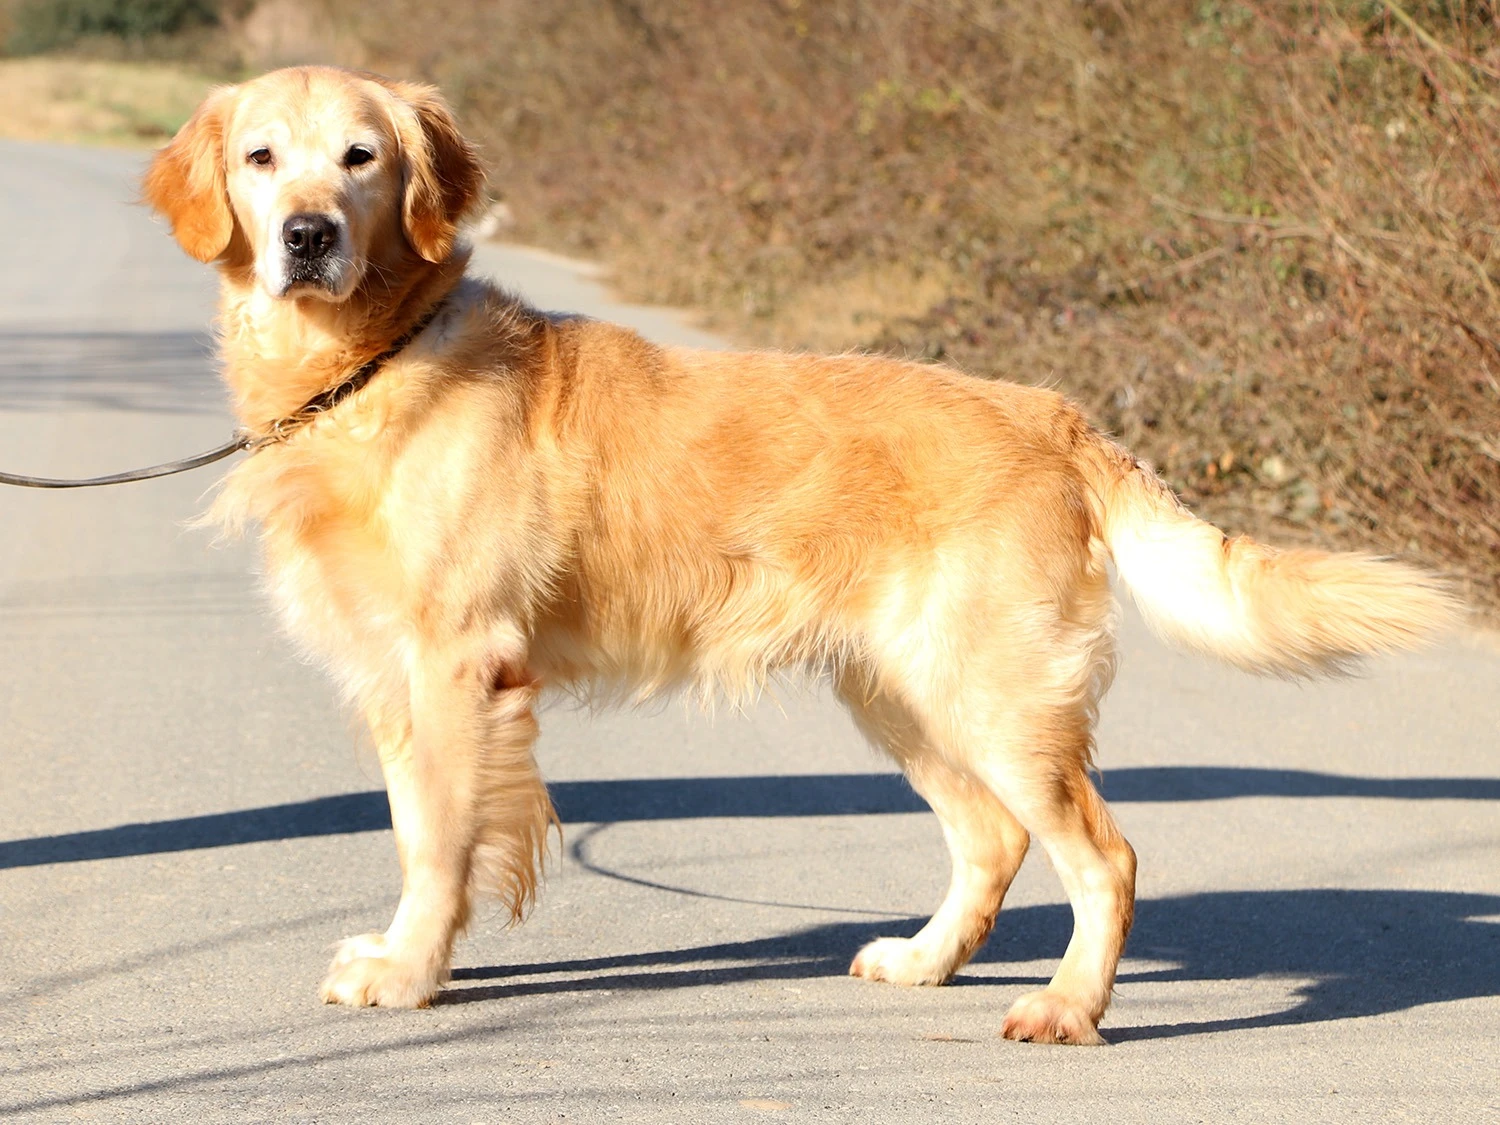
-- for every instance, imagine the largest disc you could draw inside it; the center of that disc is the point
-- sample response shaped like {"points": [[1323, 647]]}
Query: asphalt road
{"points": [[187, 823]]}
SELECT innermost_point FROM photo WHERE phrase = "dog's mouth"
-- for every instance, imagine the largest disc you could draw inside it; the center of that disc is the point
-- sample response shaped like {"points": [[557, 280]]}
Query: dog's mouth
{"points": [[332, 278], [320, 278]]}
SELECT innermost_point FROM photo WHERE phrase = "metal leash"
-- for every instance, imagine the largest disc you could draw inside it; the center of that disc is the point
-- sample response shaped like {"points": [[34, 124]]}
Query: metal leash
{"points": [[228, 449]]}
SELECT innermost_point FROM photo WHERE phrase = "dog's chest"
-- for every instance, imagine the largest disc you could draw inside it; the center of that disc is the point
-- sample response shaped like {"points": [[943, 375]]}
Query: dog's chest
{"points": [[333, 571]]}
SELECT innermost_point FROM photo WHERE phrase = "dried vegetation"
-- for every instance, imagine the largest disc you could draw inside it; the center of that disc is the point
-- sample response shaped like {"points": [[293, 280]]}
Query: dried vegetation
{"points": [[1258, 240]]}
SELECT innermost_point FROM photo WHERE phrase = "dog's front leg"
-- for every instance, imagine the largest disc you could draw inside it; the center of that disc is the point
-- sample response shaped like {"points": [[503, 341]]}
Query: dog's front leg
{"points": [[470, 813]]}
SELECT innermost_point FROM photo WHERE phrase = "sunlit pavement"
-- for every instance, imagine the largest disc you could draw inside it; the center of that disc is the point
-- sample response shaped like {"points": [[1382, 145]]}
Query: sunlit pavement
{"points": [[187, 823]]}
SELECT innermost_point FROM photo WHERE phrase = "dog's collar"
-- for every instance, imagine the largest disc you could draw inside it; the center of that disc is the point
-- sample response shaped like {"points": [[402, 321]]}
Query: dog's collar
{"points": [[283, 428]]}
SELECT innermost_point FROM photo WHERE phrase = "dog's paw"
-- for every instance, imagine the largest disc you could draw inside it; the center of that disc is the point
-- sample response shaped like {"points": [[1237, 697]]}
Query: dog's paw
{"points": [[900, 961], [366, 973], [1047, 1017]]}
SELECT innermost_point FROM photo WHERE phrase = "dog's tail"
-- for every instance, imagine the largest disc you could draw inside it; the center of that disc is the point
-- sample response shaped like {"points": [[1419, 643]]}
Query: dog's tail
{"points": [[1282, 612]]}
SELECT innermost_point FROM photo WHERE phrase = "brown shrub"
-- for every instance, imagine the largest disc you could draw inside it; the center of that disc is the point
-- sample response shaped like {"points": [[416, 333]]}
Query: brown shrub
{"points": [[1258, 240]]}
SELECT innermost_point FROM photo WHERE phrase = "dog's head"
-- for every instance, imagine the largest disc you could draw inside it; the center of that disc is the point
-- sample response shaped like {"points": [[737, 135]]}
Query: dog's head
{"points": [[312, 177]]}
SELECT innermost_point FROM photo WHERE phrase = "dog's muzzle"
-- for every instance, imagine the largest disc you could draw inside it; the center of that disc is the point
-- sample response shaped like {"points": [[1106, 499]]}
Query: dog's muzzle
{"points": [[311, 242]]}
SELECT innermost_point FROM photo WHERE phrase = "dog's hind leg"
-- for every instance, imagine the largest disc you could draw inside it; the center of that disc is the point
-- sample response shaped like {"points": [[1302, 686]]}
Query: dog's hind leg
{"points": [[1037, 764], [1008, 693], [470, 814], [986, 842]]}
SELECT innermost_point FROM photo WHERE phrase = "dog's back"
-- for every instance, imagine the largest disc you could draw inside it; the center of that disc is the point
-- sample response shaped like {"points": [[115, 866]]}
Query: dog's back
{"points": [[462, 501]]}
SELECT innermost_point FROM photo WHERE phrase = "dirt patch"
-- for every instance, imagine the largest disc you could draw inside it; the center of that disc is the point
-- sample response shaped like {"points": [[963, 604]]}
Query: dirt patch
{"points": [[95, 101]]}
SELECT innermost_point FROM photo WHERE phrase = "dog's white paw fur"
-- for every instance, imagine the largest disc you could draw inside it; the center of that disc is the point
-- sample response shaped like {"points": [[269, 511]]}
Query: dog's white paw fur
{"points": [[901, 961], [1050, 1017], [367, 973]]}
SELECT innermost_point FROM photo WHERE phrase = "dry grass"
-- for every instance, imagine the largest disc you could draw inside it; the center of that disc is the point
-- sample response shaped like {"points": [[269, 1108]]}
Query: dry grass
{"points": [[1258, 240], [95, 101]]}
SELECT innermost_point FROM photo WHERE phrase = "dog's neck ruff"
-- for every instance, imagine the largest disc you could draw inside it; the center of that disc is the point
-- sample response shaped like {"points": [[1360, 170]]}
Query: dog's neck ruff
{"points": [[284, 428]]}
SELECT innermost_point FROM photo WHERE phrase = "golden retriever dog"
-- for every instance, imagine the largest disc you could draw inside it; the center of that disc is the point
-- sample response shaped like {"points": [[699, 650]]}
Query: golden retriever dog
{"points": [[463, 500]]}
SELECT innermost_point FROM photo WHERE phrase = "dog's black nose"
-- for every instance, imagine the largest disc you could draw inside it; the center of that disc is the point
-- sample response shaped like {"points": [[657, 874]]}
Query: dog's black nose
{"points": [[309, 236]]}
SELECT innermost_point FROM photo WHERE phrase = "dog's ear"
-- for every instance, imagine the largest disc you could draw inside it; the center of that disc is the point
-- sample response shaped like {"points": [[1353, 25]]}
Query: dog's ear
{"points": [[186, 181], [444, 178]]}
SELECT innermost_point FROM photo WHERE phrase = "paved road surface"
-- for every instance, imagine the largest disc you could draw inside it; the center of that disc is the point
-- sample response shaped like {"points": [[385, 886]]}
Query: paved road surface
{"points": [[187, 823]]}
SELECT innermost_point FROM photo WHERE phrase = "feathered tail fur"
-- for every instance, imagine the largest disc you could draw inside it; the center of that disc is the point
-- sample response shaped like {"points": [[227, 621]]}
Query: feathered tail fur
{"points": [[1280, 612]]}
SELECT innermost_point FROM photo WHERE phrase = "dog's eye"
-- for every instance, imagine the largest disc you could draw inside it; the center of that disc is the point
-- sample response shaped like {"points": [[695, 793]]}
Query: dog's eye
{"points": [[260, 156], [357, 155]]}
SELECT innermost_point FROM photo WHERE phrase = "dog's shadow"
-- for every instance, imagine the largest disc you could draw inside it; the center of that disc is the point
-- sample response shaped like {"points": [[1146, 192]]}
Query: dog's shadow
{"points": [[1353, 953]]}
